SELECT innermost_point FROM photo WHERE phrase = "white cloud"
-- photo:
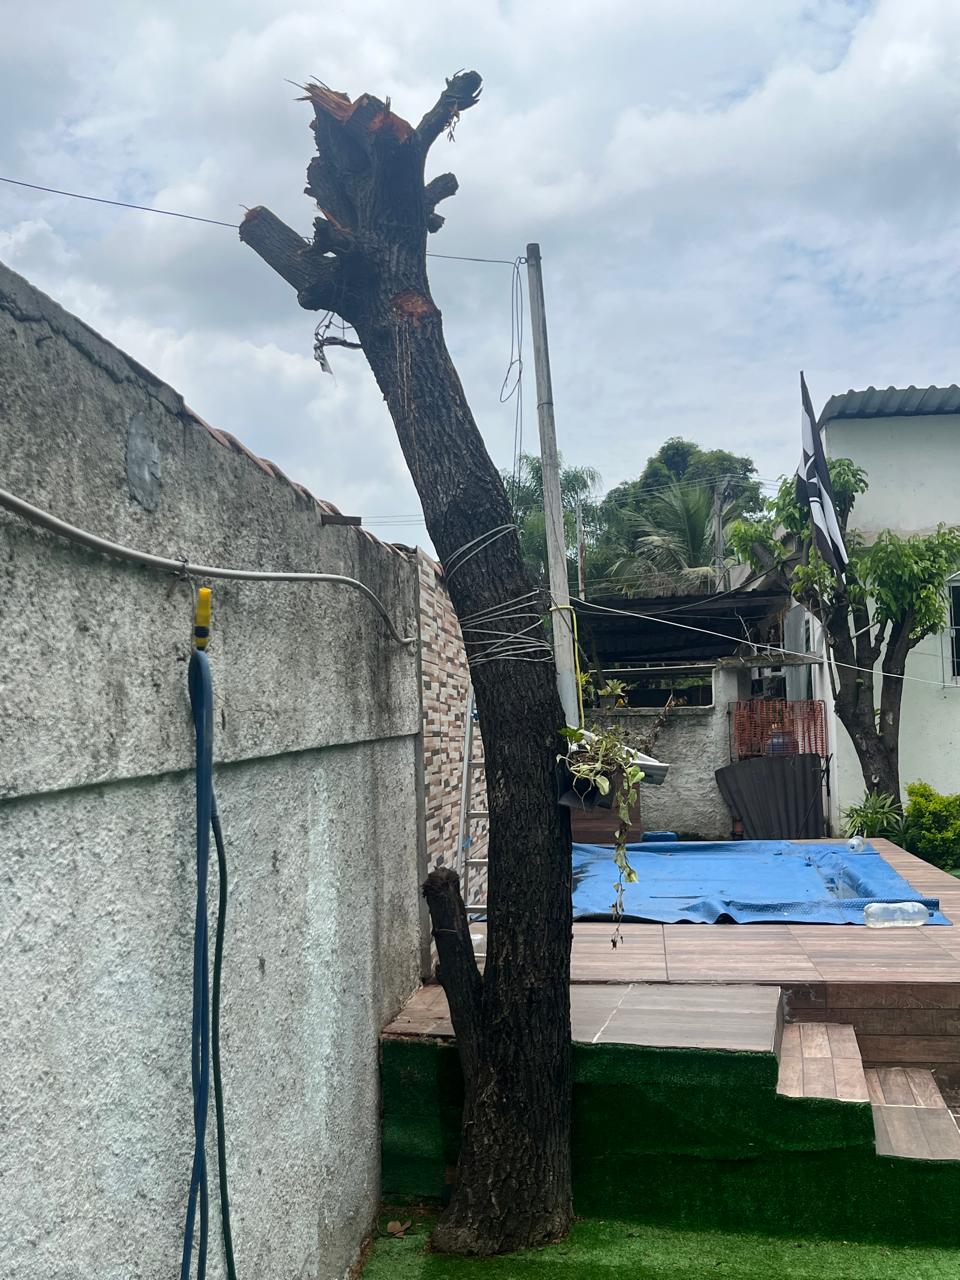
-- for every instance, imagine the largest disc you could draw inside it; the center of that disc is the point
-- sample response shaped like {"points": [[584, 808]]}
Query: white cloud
{"points": [[723, 193]]}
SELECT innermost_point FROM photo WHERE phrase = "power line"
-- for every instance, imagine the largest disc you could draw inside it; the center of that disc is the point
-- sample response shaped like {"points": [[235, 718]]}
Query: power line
{"points": [[412, 517], [765, 648], [121, 204], [193, 217]]}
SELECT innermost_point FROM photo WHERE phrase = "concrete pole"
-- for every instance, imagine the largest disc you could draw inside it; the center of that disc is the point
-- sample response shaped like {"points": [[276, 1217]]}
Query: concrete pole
{"points": [[581, 555], [552, 504], [718, 548]]}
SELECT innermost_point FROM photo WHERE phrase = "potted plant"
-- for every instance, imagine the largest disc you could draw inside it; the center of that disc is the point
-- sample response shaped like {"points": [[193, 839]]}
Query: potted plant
{"points": [[611, 695], [601, 771]]}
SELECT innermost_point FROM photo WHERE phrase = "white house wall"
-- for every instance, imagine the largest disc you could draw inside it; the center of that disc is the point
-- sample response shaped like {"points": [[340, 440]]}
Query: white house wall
{"points": [[913, 468]]}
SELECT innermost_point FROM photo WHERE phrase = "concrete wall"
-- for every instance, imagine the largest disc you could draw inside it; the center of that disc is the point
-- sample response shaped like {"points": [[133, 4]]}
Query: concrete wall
{"points": [[694, 741], [913, 466], [318, 717]]}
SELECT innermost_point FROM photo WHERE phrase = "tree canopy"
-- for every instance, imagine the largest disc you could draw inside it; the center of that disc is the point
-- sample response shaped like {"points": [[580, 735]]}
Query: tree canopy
{"points": [[652, 535]]}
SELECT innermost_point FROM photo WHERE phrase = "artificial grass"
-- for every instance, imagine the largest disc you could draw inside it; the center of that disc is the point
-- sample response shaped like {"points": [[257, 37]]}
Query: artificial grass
{"points": [[604, 1249], [686, 1138]]}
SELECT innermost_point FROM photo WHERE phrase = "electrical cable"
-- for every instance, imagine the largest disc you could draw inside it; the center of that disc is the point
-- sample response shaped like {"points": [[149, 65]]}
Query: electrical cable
{"points": [[764, 648], [120, 204], [183, 567], [457, 559], [193, 217]]}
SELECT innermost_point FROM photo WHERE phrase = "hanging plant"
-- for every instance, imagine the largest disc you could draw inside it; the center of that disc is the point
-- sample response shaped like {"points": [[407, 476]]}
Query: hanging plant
{"points": [[602, 772]]}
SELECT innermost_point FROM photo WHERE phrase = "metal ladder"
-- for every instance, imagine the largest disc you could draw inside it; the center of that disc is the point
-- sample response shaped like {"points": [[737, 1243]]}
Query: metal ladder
{"points": [[468, 866]]}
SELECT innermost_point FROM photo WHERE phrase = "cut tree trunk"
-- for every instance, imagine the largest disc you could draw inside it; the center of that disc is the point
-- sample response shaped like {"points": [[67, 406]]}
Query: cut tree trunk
{"points": [[367, 265]]}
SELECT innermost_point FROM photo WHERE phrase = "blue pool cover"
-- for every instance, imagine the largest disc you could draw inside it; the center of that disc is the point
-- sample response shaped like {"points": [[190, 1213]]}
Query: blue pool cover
{"points": [[742, 881]]}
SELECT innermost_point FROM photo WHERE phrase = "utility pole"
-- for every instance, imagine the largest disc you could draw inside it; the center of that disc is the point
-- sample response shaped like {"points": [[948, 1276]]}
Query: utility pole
{"points": [[719, 568], [552, 503], [581, 555]]}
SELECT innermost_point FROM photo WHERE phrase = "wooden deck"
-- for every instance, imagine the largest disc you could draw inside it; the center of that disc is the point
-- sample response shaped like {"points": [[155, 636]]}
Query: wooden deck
{"points": [[787, 954], [856, 1015], [743, 1018], [898, 988]]}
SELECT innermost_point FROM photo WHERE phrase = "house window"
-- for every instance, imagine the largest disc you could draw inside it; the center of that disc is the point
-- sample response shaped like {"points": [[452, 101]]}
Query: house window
{"points": [[953, 591]]}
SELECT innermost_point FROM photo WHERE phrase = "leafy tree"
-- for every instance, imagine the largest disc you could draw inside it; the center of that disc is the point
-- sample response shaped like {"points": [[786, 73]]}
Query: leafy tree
{"points": [[892, 598], [633, 509], [366, 264]]}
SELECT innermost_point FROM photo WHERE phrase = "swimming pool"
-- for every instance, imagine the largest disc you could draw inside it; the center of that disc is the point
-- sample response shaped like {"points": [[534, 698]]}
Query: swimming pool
{"points": [[741, 882]]}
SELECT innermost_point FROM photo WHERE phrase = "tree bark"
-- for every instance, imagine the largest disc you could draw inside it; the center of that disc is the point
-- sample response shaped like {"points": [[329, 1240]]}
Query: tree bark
{"points": [[367, 263], [876, 743]]}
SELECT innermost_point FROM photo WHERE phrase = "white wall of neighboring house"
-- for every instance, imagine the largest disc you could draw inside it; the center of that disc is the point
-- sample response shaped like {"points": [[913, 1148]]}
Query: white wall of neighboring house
{"points": [[913, 468]]}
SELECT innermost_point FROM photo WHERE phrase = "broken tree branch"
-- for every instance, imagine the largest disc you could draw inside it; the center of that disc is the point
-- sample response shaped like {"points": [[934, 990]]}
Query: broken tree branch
{"points": [[316, 280], [442, 187], [462, 92]]}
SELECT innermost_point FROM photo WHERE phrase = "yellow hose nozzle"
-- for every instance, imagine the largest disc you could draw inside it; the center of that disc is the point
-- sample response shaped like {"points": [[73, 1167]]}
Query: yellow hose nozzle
{"points": [[201, 618]]}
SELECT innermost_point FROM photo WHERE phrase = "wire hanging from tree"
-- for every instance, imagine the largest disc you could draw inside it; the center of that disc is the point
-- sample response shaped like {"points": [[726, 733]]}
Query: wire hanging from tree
{"points": [[512, 386]]}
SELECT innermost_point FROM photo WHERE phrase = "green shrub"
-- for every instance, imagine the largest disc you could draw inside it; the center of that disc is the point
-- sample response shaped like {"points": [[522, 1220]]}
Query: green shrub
{"points": [[931, 826], [877, 814]]}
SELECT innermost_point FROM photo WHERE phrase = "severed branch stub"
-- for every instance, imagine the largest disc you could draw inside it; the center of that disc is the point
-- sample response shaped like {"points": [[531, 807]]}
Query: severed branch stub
{"points": [[457, 970], [441, 188]]}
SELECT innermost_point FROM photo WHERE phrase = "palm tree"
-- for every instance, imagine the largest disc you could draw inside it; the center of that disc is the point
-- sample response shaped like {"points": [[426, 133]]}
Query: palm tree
{"points": [[577, 484], [673, 541]]}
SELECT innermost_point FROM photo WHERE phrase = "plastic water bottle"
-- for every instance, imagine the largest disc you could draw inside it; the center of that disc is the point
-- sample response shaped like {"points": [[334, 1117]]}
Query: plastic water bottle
{"points": [[856, 844], [893, 915]]}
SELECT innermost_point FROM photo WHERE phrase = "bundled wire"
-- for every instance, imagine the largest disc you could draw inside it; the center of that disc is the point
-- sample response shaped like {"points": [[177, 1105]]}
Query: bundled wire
{"points": [[519, 639], [457, 559]]}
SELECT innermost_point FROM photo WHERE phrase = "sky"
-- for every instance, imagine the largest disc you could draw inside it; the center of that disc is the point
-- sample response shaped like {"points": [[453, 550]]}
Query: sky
{"points": [[724, 191]]}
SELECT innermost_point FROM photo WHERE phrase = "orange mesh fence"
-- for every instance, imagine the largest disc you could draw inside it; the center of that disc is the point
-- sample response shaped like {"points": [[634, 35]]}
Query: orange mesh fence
{"points": [[777, 727]]}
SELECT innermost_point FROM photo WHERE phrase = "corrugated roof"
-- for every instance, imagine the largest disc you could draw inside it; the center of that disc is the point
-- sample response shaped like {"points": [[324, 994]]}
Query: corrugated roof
{"points": [[894, 402]]}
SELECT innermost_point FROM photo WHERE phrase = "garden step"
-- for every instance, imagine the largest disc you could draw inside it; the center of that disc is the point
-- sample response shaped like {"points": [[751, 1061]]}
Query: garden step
{"points": [[821, 1060], [910, 1117], [903, 1087], [916, 1133]]}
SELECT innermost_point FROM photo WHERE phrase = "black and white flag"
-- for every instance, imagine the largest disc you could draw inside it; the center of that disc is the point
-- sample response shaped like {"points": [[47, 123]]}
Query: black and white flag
{"points": [[815, 491]]}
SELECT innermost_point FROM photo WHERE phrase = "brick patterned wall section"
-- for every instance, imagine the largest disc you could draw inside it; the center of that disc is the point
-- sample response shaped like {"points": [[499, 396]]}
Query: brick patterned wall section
{"points": [[445, 684]]}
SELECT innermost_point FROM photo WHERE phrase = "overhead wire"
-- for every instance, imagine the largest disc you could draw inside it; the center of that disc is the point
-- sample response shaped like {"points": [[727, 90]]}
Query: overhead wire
{"points": [[193, 217], [513, 389], [516, 308], [753, 644], [121, 204]]}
